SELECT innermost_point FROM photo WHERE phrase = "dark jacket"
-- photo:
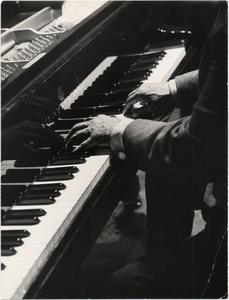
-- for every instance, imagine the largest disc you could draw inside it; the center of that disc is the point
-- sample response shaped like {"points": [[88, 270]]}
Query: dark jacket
{"points": [[193, 148]]}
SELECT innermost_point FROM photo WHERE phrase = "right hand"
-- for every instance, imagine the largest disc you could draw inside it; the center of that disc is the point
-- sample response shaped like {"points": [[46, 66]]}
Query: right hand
{"points": [[151, 96], [91, 133]]}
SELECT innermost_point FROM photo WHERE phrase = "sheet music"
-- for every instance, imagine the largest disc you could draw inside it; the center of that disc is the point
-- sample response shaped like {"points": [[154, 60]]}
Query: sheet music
{"points": [[73, 12]]}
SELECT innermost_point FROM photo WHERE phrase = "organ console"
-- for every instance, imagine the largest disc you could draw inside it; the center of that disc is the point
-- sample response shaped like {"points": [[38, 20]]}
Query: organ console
{"points": [[53, 208]]}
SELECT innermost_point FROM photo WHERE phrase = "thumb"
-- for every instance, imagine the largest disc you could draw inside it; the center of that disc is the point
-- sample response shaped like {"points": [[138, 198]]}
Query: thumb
{"points": [[144, 110]]}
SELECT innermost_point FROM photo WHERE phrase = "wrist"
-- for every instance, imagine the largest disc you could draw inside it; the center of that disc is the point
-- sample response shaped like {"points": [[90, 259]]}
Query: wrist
{"points": [[174, 92], [116, 138]]}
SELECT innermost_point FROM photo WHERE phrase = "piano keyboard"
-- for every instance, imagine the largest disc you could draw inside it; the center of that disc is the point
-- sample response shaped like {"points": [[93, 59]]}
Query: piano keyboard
{"points": [[162, 73], [22, 268], [34, 224]]}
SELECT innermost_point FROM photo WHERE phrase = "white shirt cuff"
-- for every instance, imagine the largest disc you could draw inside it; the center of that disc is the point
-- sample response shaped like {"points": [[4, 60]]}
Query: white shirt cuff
{"points": [[116, 138], [174, 92]]}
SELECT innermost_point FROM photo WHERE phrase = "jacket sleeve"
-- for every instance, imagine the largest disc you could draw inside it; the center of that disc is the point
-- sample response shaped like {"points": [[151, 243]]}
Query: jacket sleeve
{"points": [[195, 145], [187, 88]]}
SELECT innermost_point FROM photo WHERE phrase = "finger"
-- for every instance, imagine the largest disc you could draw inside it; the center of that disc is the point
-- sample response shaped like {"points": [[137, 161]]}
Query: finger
{"points": [[144, 110], [142, 99], [78, 137], [88, 143], [74, 129], [129, 104]]}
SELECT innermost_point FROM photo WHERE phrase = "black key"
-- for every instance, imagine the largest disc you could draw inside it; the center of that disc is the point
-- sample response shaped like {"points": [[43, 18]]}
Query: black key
{"points": [[15, 233], [109, 77], [98, 87], [121, 68], [135, 72], [8, 251], [80, 153], [68, 161], [37, 201], [152, 56], [37, 161], [136, 75], [2, 267], [20, 175], [11, 241], [147, 59], [81, 159], [140, 67], [56, 177], [14, 221], [83, 112], [118, 95], [42, 162], [44, 187], [26, 213], [138, 78], [9, 193], [126, 87], [87, 100], [125, 60], [115, 100], [40, 194], [54, 171], [107, 109]]}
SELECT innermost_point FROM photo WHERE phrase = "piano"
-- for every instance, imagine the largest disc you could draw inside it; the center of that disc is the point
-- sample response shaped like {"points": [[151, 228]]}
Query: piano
{"points": [[53, 209]]}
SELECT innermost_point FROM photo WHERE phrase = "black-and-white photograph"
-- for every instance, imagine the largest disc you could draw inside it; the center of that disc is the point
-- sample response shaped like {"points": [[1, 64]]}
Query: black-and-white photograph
{"points": [[114, 149]]}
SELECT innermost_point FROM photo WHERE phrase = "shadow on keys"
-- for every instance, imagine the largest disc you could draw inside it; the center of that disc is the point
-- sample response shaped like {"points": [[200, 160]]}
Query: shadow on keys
{"points": [[29, 140], [25, 137]]}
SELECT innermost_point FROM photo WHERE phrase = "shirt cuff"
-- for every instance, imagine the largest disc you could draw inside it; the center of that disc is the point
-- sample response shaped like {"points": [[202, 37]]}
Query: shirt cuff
{"points": [[174, 92], [116, 138]]}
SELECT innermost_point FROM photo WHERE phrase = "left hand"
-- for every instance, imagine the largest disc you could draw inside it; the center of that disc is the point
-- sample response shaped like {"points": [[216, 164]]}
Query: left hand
{"points": [[151, 96], [91, 133]]}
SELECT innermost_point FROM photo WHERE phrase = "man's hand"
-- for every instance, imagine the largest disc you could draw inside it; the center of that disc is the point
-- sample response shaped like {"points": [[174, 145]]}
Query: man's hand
{"points": [[25, 139], [150, 97], [91, 133]]}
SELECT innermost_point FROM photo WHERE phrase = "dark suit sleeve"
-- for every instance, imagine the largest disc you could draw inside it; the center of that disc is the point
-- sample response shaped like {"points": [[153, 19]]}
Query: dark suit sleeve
{"points": [[187, 87], [194, 146]]}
